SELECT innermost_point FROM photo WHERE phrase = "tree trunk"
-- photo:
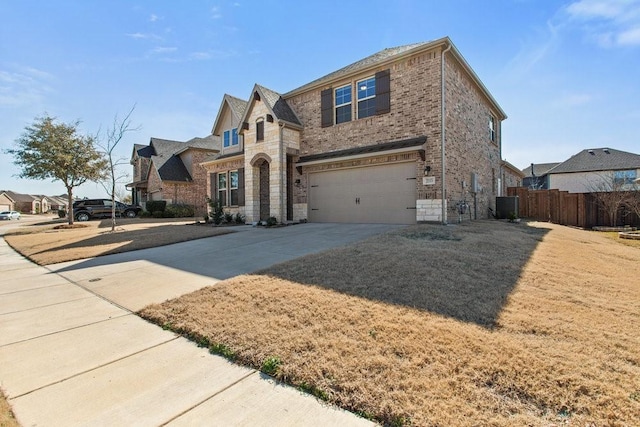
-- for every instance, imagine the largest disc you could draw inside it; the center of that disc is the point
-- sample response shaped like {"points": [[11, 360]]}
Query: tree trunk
{"points": [[70, 205]]}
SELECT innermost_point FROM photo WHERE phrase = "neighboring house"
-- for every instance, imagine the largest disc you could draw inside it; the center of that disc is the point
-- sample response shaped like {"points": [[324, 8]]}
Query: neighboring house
{"points": [[596, 169], [6, 202], [511, 177], [25, 203], [366, 143], [170, 171], [536, 176], [57, 203]]}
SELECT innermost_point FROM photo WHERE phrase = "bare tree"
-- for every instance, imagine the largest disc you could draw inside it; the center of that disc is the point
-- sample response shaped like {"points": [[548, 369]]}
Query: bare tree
{"points": [[611, 194], [633, 201], [115, 134], [122, 194]]}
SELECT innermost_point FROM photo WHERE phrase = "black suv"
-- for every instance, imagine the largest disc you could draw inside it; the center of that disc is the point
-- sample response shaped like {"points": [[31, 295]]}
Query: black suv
{"points": [[84, 210]]}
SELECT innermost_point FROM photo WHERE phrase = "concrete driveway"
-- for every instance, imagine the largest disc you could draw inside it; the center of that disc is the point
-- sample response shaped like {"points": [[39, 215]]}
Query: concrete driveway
{"points": [[73, 352], [136, 279]]}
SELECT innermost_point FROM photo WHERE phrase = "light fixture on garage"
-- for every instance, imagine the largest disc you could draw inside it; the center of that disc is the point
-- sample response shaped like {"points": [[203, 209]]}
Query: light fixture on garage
{"points": [[427, 169]]}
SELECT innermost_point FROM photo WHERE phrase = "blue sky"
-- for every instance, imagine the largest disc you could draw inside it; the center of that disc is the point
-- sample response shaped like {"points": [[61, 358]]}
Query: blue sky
{"points": [[567, 73]]}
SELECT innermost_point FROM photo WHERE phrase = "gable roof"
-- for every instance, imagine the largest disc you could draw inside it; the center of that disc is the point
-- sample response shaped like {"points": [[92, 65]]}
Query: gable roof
{"points": [[598, 159], [166, 159], [18, 197], [237, 107], [389, 55], [275, 103], [143, 150], [539, 169]]}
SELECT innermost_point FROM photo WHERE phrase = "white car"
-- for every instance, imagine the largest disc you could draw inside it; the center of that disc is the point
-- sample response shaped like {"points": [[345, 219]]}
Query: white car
{"points": [[8, 215]]}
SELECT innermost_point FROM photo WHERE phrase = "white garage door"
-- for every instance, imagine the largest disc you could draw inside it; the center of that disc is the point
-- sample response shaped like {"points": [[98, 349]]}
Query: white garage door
{"points": [[374, 194]]}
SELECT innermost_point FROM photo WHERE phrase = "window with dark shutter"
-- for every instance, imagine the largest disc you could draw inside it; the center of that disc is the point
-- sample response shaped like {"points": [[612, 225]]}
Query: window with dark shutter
{"points": [[383, 92], [260, 131], [326, 107], [214, 188]]}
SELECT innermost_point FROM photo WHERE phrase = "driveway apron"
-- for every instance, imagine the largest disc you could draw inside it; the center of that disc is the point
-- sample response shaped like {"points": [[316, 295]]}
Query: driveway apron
{"points": [[73, 352]]}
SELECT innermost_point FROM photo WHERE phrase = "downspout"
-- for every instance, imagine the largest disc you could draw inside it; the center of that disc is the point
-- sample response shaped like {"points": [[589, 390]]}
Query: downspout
{"points": [[442, 133], [283, 178]]}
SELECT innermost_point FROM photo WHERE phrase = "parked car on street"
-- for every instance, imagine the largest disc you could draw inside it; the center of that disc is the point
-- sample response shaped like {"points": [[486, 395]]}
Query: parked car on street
{"points": [[84, 210], [8, 215]]}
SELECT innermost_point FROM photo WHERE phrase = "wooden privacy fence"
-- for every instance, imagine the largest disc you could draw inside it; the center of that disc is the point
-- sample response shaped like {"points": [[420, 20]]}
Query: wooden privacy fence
{"points": [[562, 207]]}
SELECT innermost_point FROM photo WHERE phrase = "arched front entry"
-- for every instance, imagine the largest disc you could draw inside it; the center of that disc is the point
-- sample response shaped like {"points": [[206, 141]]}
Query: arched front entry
{"points": [[263, 203]]}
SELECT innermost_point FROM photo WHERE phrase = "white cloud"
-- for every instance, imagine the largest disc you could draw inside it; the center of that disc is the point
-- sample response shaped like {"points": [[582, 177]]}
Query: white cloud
{"points": [[630, 37], [533, 51], [574, 100], [610, 23], [162, 50], [215, 12], [144, 36], [212, 54], [23, 86], [153, 17]]}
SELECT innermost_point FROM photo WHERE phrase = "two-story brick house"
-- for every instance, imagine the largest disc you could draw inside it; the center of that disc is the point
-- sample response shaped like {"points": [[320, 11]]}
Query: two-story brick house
{"points": [[366, 143], [170, 171]]}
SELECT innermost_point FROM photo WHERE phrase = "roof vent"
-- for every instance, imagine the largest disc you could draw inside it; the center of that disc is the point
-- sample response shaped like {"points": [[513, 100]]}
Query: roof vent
{"points": [[592, 152], [606, 150]]}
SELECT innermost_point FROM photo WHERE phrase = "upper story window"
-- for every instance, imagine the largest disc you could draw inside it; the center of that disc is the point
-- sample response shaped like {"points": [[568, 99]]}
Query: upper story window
{"points": [[230, 137], [492, 129], [624, 177], [343, 104], [260, 130], [373, 97], [366, 97]]}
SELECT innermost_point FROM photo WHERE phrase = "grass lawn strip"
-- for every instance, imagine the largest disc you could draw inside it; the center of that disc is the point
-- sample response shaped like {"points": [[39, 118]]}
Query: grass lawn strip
{"points": [[396, 328], [45, 245]]}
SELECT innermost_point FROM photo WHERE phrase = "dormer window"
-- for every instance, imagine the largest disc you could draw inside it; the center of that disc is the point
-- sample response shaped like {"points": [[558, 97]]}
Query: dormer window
{"points": [[230, 138]]}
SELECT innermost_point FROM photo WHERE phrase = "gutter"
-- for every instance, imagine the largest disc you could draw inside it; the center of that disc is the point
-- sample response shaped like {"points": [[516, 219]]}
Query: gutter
{"points": [[442, 134]]}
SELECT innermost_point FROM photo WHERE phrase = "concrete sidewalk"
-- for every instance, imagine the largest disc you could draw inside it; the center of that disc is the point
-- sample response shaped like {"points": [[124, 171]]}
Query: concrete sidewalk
{"points": [[70, 355]]}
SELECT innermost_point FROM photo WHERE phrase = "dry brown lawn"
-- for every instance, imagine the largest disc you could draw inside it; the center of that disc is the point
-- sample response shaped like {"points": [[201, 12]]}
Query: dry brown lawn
{"points": [[44, 244], [6, 416], [485, 323]]}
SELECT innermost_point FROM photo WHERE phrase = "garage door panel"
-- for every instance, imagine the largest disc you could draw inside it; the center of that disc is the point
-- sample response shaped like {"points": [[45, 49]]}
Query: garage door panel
{"points": [[375, 194]]}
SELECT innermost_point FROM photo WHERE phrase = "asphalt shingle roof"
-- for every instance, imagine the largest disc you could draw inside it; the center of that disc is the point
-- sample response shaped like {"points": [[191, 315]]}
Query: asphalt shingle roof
{"points": [[385, 146], [237, 106], [279, 106], [539, 169], [363, 63], [598, 159], [169, 164]]}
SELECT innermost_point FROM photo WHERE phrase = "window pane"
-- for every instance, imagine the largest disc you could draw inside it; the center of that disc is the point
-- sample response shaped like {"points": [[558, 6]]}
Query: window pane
{"points": [[226, 138], [222, 181], [343, 95], [233, 177], [234, 136], [367, 88], [259, 131], [234, 197], [367, 108], [343, 114], [222, 197]]}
